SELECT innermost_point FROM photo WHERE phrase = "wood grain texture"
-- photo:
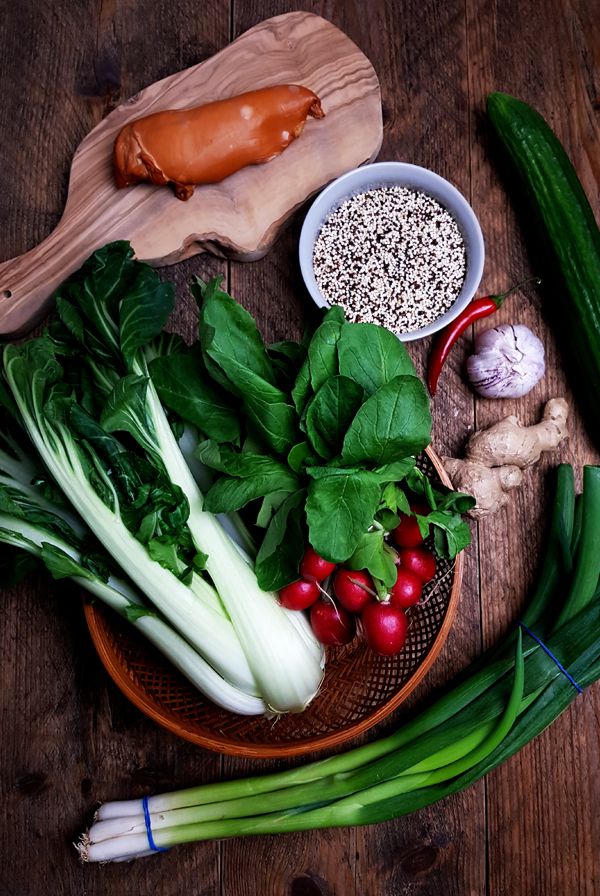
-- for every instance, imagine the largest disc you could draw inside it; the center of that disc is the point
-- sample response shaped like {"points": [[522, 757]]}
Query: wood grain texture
{"points": [[538, 801], [240, 217], [68, 739]]}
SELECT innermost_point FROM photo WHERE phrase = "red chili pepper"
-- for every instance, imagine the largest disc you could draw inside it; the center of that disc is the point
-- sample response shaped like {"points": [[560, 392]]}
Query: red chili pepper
{"points": [[446, 338]]}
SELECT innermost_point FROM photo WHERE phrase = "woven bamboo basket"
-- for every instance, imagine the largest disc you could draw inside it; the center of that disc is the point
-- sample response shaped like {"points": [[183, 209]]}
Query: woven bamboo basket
{"points": [[359, 690]]}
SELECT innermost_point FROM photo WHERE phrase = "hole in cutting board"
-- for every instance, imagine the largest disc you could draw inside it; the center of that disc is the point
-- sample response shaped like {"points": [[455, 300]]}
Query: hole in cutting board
{"points": [[6, 293]]}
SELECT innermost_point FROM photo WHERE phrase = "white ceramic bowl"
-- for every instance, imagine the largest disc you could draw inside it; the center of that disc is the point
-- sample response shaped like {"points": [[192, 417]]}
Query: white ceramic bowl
{"points": [[397, 174]]}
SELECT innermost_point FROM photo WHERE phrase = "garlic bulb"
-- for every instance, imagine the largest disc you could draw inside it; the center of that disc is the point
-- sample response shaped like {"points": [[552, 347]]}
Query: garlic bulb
{"points": [[508, 361]]}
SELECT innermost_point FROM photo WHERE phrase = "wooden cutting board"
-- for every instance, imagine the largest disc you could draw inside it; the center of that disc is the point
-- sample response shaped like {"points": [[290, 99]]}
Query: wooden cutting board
{"points": [[240, 217]]}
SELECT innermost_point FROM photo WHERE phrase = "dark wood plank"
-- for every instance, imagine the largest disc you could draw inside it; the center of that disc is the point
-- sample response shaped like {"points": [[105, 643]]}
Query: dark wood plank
{"points": [[69, 739], [420, 50], [543, 825], [410, 46], [310, 863]]}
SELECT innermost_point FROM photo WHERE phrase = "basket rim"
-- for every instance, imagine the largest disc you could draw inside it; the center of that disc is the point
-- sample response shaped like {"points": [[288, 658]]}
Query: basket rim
{"points": [[118, 671]]}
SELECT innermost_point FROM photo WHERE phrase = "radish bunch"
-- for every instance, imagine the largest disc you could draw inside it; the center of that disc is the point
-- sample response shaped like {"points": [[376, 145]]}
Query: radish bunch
{"points": [[337, 597]]}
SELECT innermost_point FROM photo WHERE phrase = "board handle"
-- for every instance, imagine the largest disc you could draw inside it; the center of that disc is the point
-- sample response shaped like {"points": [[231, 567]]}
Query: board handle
{"points": [[28, 282]]}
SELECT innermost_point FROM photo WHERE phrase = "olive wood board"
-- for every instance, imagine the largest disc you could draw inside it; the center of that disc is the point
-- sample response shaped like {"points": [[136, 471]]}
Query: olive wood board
{"points": [[239, 217]]}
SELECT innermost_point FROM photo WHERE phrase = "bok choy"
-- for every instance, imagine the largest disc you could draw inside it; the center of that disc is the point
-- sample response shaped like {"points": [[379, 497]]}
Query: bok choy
{"points": [[33, 520], [85, 381]]}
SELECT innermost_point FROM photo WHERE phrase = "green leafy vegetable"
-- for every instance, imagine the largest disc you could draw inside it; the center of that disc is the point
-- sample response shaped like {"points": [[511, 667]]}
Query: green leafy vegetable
{"points": [[283, 545], [351, 389], [373, 553], [372, 356], [89, 405], [183, 385], [393, 423], [339, 510], [331, 412]]}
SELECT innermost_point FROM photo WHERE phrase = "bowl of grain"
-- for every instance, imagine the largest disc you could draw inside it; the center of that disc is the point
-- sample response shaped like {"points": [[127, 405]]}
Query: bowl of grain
{"points": [[394, 244]]}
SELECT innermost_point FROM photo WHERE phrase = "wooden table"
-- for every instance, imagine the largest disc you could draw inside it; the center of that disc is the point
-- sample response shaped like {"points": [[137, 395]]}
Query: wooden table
{"points": [[68, 737]]}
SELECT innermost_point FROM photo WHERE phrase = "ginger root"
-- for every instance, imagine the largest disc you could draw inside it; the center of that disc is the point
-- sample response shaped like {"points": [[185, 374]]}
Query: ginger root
{"points": [[495, 456]]}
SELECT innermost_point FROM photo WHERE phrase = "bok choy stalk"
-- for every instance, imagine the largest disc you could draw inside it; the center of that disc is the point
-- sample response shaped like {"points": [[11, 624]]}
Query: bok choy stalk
{"points": [[482, 721], [32, 520], [37, 383], [110, 317]]}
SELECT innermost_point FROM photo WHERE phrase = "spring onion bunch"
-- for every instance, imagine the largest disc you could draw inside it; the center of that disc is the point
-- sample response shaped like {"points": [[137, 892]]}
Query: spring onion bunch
{"points": [[506, 700], [83, 395]]}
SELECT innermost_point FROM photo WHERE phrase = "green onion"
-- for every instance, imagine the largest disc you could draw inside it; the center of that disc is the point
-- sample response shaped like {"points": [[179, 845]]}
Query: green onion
{"points": [[478, 724]]}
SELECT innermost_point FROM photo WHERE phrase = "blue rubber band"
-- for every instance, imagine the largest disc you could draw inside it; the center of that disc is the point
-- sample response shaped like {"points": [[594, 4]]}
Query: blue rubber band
{"points": [[577, 687], [151, 842]]}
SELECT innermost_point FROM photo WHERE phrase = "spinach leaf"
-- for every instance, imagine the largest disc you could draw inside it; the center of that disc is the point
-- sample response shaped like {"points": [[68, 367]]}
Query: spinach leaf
{"points": [[393, 423], [330, 413], [372, 356], [294, 352], [322, 350], [235, 355], [339, 510], [268, 507], [183, 385], [229, 335], [302, 390], [279, 557], [287, 358], [395, 471], [231, 492], [241, 464], [373, 553], [268, 411], [299, 455], [332, 469]]}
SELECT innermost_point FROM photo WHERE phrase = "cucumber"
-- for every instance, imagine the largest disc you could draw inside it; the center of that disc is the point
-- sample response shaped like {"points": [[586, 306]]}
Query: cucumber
{"points": [[569, 233]]}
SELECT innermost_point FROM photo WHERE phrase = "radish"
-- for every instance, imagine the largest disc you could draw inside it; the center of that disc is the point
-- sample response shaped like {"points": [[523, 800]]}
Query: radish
{"points": [[385, 628], [407, 534], [299, 595], [354, 589], [331, 624], [419, 561], [407, 590], [315, 567]]}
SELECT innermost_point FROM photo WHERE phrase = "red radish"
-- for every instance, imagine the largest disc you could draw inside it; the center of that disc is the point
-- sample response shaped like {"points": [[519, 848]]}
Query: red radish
{"points": [[420, 561], [354, 589], [385, 628], [407, 534], [332, 625], [407, 590], [315, 567], [299, 595]]}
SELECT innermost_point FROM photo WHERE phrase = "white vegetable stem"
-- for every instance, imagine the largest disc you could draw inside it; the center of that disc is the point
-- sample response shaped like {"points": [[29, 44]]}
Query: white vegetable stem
{"points": [[286, 663], [208, 631], [118, 595]]}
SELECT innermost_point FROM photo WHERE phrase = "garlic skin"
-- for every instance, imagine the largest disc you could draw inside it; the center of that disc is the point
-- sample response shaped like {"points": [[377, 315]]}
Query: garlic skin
{"points": [[507, 362]]}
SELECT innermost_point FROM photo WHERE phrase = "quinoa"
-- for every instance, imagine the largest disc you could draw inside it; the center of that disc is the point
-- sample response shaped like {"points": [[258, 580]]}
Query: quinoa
{"points": [[392, 256]]}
